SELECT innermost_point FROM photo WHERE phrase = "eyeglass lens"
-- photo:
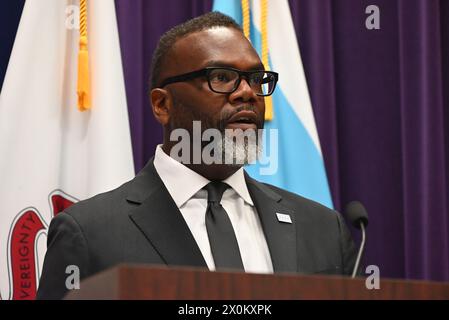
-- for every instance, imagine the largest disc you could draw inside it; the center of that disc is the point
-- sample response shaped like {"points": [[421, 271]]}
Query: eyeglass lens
{"points": [[225, 81]]}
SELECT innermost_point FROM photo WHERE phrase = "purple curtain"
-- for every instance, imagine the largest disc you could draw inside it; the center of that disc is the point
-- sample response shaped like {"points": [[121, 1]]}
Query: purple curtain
{"points": [[381, 101]]}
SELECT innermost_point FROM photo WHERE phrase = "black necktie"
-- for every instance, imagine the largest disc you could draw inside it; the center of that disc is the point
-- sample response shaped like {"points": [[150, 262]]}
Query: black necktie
{"points": [[223, 242]]}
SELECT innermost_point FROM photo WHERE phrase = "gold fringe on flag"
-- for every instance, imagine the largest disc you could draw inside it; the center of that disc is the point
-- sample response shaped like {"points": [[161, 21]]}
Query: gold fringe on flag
{"points": [[246, 15], [265, 60], [83, 90]]}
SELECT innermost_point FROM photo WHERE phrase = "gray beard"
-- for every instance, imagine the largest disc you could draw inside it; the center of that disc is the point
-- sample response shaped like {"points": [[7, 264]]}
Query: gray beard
{"points": [[239, 151]]}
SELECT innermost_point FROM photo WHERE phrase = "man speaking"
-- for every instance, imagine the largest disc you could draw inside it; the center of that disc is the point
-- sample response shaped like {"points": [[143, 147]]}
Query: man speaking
{"points": [[193, 204]]}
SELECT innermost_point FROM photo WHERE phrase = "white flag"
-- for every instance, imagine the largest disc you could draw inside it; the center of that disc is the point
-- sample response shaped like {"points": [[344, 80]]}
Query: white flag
{"points": [[51, 154]]}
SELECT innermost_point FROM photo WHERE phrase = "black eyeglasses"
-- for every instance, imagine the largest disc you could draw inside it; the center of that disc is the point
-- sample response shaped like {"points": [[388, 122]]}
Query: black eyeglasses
{"points": [[227, 80]]}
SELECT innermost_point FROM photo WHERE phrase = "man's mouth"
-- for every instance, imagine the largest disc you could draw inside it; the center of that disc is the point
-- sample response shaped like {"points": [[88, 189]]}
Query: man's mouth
{"points": [[243, 120]]}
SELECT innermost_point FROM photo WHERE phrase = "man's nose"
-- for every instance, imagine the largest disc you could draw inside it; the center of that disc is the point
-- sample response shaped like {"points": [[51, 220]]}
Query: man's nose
{"points": [[243, 92]]}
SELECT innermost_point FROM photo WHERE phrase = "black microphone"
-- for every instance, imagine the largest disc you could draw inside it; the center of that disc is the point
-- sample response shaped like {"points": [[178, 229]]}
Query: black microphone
{"points": [[357, 215]]}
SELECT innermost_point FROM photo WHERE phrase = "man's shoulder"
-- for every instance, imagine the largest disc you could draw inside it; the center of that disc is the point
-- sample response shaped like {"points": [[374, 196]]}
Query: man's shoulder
{"points": [[102, 203], [116, 201]]}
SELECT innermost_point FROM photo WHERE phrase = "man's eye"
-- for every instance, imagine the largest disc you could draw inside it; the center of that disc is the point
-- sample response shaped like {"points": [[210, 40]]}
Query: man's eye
{"points": [[221, 77], [258, 78]]}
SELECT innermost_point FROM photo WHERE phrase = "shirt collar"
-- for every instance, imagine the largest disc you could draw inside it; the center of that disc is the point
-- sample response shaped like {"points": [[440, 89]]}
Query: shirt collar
{"points": [[183, 183], [238, 183]]}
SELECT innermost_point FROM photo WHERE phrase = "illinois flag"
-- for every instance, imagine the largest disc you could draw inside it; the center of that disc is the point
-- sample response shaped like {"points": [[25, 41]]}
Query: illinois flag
{"points": [[53, 154], [300, 165]]}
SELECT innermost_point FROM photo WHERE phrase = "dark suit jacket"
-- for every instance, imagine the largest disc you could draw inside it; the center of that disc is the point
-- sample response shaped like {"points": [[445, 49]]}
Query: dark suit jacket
{"points": [[140, 223]]}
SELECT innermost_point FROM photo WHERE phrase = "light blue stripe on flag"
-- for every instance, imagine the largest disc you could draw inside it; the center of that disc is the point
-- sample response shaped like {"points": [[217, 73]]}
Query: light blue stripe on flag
{"points": [[232, 8], [300, 163]]}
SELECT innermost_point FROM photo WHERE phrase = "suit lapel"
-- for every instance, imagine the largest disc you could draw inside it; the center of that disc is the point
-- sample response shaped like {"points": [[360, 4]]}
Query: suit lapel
{"points": [[160, 220], [158, 217], [280, 236]]}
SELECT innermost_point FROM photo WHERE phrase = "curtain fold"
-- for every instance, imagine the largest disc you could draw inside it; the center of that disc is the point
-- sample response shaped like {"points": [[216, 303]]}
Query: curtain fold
{"points": [[422, 139]]}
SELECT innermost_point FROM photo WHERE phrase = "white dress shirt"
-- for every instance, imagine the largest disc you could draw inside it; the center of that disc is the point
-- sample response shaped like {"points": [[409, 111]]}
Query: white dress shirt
{"points": [[186, 188]]}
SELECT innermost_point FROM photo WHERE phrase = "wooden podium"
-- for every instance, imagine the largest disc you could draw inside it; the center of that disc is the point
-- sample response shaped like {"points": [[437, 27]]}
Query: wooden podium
{"points": [[163, 283]]}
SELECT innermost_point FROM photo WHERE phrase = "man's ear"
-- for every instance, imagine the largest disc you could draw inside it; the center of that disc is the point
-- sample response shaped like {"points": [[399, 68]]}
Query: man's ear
{"points": [[161, 103]]}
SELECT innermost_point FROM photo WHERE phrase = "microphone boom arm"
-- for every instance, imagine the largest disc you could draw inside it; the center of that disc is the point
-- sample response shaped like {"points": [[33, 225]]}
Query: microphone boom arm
{"points": [[361, 250]]}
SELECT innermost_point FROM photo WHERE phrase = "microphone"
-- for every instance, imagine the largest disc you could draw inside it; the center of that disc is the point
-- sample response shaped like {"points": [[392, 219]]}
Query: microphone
{"points": [[357, 215]]}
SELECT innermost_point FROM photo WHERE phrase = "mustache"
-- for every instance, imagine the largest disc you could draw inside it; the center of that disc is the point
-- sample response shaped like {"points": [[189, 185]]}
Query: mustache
{"points": [[224, 120]]}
